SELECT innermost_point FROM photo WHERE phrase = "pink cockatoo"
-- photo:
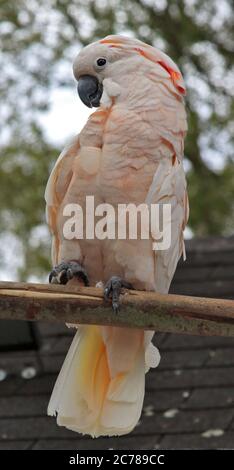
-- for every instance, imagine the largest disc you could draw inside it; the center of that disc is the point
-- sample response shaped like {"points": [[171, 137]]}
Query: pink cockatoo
{"points": [[129, 151]]}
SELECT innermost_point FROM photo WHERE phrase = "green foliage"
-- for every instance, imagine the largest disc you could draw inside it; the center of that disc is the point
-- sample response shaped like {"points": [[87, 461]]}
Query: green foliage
{"points": [[39, 39]]}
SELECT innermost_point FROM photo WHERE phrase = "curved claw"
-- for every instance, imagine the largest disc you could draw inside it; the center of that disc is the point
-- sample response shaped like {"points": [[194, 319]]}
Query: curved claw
{"points": [[51, 276], [64, 272], [112, 290]]}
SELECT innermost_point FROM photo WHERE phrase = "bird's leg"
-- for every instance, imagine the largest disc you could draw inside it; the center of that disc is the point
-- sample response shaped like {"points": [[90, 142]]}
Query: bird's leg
{"points": [[113, 288], [65, 271]]}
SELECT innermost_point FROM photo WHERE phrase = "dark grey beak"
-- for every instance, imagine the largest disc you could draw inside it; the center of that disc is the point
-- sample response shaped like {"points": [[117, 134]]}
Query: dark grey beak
{"points": [[90, 90]]}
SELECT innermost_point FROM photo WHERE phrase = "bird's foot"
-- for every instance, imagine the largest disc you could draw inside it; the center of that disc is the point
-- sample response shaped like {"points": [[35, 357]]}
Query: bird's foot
{"points": [[113, 288], [65, 271]]}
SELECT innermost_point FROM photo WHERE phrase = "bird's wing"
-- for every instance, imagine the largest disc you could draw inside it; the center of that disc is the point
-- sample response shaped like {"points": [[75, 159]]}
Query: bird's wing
{"points": [[169, 187], [56, 190]]}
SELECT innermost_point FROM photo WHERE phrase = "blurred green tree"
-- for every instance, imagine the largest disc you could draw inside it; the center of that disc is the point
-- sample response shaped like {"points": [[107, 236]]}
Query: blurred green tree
{"points": [[39, 40]]}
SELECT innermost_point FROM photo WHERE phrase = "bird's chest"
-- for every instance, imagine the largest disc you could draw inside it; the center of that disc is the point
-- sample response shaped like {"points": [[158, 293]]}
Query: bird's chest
{"points": [[112, 167], [114, 163], [127, 166]]}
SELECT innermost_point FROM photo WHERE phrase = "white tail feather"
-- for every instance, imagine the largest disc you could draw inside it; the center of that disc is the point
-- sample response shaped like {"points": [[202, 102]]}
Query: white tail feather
{"points": [[62, 377], [100, 388]]}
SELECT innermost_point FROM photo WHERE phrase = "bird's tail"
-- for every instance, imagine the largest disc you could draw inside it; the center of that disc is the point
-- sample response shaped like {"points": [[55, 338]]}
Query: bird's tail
{"points": [[100, 388]]}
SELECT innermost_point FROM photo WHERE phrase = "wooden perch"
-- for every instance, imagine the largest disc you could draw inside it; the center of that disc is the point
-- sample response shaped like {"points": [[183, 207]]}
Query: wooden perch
{"points": [[148, 310]]}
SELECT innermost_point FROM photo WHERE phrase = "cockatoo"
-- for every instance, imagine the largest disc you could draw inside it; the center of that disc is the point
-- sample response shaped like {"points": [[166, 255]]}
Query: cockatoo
{"points": [[129, 151]]}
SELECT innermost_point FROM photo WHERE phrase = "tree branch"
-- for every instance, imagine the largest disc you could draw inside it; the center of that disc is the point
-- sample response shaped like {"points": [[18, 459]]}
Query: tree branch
{"points": [[147, 310]]}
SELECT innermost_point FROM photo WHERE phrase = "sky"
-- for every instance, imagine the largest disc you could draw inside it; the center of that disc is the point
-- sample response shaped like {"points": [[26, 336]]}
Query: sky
{"points": [[66, 117]]}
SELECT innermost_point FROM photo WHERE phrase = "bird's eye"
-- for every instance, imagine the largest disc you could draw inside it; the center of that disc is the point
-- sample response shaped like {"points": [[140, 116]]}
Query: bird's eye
{"points": [[101, 62]]}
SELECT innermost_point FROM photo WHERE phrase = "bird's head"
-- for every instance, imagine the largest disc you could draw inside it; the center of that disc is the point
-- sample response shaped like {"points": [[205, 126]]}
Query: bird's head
{"points": [[116, 56]]}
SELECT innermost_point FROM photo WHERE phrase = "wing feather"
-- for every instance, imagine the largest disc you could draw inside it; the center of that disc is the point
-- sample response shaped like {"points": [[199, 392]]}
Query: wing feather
{"points": [[56, 190], [169, 186]]}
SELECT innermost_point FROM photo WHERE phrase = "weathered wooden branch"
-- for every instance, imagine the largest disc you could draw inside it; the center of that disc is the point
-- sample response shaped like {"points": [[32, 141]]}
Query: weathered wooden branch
{"points": [[148, 310]]}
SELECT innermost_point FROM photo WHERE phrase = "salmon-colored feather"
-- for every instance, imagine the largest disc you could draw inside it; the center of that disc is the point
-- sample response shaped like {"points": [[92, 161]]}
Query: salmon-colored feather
{"points": [[129, 151]]}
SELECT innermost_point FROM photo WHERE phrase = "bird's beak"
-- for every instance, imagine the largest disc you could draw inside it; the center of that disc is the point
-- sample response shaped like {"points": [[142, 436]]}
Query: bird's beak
{"points": [[90, 90]]}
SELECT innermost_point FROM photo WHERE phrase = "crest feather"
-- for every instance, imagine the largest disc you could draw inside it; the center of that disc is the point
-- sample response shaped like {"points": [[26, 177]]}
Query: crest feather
{"points": [[150, 53]]}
